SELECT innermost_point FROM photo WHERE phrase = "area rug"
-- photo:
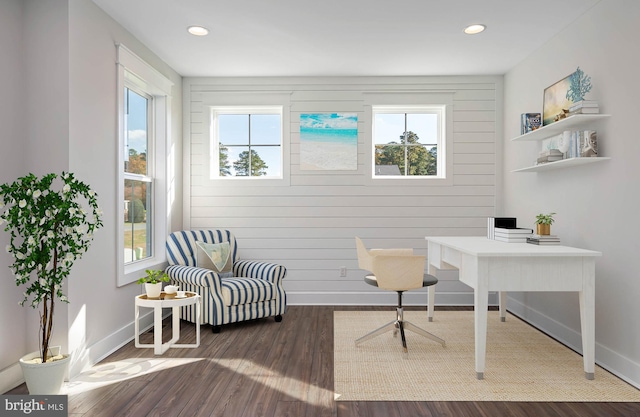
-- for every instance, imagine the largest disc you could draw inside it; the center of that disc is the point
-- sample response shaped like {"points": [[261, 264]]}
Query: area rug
{"points": [[522, 363]]}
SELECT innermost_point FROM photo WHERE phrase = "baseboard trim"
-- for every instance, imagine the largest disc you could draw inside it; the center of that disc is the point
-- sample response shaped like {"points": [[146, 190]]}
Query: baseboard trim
{"points": [[84, 359], [89, 356], [613, 362], [10, 377], [414, 298]]}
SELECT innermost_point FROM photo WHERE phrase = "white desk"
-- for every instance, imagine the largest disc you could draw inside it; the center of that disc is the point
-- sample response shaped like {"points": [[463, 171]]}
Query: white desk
{"points": [[488, 265]]}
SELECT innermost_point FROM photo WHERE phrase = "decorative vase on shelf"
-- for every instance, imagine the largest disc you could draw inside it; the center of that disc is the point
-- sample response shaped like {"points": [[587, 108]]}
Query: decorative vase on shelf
{"points": [[153, 290], [543, 229]]}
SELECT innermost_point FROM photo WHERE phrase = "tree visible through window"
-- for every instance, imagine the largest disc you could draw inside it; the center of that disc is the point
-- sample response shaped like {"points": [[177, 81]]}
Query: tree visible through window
{"points": [[406, 144], [144, 120], [249, 142], [137, 179]]}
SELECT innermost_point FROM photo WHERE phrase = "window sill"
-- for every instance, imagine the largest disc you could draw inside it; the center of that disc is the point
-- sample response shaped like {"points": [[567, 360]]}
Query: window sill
{"points": [[135, 270]]}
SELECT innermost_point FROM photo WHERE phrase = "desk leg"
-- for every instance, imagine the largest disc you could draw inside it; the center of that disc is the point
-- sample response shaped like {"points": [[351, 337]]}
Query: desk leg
{"points": [[431, 297], [481, 304], [588, 317], [157, 330], [502, 302]]}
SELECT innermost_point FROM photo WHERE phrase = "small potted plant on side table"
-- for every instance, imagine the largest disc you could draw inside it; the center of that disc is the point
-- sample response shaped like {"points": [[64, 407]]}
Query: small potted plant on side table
{"points": [[543, 223], [153, 282]]}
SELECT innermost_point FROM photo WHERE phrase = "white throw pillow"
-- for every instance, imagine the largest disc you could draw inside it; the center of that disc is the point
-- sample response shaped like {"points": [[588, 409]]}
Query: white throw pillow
{"points": [[214, 256]]}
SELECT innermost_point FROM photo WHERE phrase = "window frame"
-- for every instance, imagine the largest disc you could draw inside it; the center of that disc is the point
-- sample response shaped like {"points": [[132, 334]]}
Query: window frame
{"points": [[214, 143], [137, 75], [412, 103], [437, 110]]}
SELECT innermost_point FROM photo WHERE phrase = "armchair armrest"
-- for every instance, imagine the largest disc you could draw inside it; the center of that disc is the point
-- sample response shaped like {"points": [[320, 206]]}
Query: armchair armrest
{"points": [[193, 275], [262, 270]]}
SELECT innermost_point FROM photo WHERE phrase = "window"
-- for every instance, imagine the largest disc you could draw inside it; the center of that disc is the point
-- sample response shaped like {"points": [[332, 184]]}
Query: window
{"points": [[143, 114], [138, 179], [247, 142], [408, 142]]}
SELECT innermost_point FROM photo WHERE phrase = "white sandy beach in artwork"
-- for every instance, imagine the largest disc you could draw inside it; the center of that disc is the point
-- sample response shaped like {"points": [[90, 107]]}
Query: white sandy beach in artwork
{"points": [[317, 156]]}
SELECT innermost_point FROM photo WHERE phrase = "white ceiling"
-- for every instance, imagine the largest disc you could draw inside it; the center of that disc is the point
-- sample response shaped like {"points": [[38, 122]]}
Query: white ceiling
{"points": [[343, 37]]}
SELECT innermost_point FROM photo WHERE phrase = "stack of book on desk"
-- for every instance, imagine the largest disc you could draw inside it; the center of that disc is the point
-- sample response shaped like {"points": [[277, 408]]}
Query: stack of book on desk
{"points": [[543, 240], [499, 222], [512, 235]]}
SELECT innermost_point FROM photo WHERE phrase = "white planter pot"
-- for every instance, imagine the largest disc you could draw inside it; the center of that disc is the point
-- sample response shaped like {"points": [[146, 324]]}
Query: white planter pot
{"points": [[44, 378], [153, 290]]}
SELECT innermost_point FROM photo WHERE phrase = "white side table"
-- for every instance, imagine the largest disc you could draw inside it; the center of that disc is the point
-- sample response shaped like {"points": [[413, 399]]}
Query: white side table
{"points": [[165, 302]]}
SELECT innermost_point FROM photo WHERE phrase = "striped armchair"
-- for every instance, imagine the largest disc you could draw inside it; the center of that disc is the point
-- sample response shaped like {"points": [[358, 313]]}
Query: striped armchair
{"points": [[252, 290]]}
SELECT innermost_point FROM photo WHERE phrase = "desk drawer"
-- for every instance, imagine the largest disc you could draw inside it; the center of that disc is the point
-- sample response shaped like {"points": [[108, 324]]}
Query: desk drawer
{"points": [[443, 257], [451, 257]]}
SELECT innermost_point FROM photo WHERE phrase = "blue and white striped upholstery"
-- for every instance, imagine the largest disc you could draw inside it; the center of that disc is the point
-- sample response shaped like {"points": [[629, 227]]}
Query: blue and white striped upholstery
{"points": [[253, 290]]}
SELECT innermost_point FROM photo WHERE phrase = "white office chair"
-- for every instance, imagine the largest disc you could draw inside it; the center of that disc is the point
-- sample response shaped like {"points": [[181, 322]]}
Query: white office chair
{"points": [[395, 270]]}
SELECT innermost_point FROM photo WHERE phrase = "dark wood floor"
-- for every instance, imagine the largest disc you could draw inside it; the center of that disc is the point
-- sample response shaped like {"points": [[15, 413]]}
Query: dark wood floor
{"points": [[264, 368]]}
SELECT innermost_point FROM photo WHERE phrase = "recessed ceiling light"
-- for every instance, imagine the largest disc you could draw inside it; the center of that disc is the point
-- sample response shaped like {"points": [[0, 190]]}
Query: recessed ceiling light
{"points": [[473, 29], [198, 30]]}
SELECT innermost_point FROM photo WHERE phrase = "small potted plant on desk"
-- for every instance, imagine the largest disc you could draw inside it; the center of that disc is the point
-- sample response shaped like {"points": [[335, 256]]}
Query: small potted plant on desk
{"points": [[153, 282], [543, 223]]}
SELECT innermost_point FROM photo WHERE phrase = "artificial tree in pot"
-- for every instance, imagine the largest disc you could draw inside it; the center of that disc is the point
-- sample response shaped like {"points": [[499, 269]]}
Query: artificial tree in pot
{"points": [[51, 221]]}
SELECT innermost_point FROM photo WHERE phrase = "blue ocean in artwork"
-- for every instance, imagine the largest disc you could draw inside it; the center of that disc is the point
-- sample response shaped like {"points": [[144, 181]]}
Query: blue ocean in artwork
{"points": [[329, 141], [329, 127], [329, 135]]}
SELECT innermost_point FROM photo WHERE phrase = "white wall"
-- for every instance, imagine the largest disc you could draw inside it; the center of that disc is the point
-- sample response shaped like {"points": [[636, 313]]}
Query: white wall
{"points": [[41, 126], [309, 225], [70, 89], [13, 318], [596, 204], [100, 314]]}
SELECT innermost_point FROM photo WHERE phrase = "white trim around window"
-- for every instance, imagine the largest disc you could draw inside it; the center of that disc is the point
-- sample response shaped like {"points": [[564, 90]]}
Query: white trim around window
{"points": [[136, 74], [441, 102], [245, 143], [242, 102]]}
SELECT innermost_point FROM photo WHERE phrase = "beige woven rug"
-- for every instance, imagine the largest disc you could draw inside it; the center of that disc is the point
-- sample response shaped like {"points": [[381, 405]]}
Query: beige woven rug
{"points": [[522, 364]]}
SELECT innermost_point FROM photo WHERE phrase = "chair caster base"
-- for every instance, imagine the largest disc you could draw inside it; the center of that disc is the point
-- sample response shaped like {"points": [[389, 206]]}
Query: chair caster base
{"points": [[216, 329], [278, 318]]}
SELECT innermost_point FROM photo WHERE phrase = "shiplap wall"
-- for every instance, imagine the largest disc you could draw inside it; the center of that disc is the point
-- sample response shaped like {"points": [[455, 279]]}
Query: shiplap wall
{"points": [[308, 221]]}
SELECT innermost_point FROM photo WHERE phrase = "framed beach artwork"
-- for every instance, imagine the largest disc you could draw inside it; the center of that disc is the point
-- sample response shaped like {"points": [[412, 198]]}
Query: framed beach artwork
{"points": [[556, 104], [328, 141]]}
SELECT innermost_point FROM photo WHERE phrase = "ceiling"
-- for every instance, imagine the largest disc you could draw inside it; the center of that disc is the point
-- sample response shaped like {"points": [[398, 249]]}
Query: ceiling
{"points": [[343, 37]]}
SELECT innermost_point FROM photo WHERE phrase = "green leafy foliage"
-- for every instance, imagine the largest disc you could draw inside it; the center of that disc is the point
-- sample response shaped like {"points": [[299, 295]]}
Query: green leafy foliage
{"points": [[545, 218], [51, 222], [154, 276], [225, 167], [136, 212], [250, 164], [417, 161]]}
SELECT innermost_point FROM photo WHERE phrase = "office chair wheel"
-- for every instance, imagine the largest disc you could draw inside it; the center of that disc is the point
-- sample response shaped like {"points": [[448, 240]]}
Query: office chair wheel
{"points": [[278, 318]]}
